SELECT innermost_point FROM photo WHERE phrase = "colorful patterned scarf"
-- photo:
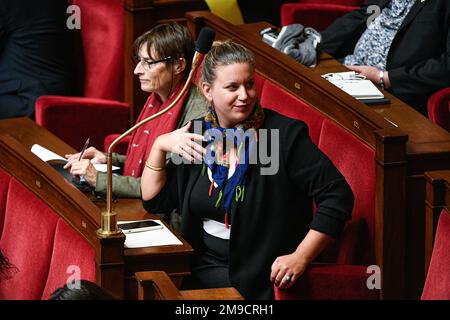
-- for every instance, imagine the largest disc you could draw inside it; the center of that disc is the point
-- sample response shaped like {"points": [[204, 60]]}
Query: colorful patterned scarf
{"points": [[217, 157]]}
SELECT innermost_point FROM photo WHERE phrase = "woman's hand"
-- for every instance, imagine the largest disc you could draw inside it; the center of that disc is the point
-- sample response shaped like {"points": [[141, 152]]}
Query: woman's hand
{"points": [[91, 153], [372, 74], [84, 168], [183, 143], [287, 269]]}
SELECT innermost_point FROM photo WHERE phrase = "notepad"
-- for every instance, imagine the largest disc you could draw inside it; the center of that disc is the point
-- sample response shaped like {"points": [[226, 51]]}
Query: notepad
{"points": [[355, 85], [359, 89]]}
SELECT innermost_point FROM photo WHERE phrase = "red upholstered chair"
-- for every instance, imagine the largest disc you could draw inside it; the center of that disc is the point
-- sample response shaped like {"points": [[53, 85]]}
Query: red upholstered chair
{"points": [[437, 283], [439, 108], [99, 47], [43, 248], [318, 14], [344, 271], [341, 271]]}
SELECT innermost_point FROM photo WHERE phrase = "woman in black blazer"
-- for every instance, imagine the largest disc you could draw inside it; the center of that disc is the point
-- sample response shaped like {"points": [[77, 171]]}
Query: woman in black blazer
{"points": [[418, 60], [250, 221]]}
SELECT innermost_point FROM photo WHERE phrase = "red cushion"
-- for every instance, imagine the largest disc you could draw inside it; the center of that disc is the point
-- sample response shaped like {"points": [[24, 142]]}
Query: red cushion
{"points": [[439, 108], [71, 253], [330, 282], [317, 16], [279, 100], [259, 84], [355, 160], [27, 241], [102, 39], [437, 284], [74, 119], [4, 186], [40, 244]]}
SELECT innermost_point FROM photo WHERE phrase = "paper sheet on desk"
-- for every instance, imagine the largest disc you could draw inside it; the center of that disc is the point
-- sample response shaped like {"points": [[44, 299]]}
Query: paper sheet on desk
{"points": [[47, 155], [151, 238]]}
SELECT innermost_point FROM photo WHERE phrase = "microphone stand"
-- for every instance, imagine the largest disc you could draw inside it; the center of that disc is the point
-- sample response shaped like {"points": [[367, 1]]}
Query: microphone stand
{"points": [[109, 217]]}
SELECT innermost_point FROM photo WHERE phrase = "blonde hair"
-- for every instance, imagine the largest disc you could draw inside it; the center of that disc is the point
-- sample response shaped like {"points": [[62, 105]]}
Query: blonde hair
{"points": [[224, 53]]}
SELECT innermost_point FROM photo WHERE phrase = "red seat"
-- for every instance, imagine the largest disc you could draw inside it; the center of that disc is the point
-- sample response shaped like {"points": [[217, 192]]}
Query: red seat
{"points": [[318, 14], [437, 283], [39, 244], [100, 75], [439, 108], [343, 271]]}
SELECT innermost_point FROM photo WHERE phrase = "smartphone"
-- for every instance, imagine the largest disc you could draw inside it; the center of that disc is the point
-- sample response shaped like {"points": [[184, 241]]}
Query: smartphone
{"points": [[139, 226], [269, 35]]}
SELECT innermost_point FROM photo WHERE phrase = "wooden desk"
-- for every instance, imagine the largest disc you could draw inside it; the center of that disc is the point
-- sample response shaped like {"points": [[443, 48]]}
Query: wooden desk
{"points": [[406, 145], [173, 259]]}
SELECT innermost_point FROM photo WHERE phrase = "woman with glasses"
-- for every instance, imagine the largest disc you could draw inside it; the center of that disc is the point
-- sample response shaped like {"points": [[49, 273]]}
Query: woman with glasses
{"points": [[162, 60]]}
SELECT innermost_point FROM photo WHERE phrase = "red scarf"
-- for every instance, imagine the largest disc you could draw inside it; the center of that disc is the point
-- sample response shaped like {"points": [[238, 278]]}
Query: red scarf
{"points": [[143, 138]]}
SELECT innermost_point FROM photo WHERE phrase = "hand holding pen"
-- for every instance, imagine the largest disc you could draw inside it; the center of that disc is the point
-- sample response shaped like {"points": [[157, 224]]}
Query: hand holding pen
{"points": [[83, 150], [82, 167], [86, 153]]}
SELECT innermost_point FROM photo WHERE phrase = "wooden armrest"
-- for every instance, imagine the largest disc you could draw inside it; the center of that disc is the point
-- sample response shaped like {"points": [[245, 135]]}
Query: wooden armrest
{"points": [[212, 294], [157, 285]]}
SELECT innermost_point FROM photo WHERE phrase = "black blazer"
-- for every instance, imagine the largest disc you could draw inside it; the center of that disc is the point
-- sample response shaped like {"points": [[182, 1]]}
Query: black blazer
{"points": [[277, 211], [35, 53], [419, 58]]}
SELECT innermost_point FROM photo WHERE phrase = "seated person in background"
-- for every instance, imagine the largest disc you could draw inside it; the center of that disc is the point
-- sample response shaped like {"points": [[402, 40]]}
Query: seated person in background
{"points": [[248, 227], [35, 54], [163, 62], [86, 291], [406, 48]]}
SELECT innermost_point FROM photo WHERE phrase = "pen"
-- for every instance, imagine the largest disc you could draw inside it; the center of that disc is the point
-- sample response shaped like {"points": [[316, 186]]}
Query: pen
{"points": [[84, 149]]}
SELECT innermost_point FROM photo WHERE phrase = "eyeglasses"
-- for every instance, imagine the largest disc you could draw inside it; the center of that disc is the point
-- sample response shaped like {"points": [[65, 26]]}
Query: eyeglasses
{"points": [[147, 64]]}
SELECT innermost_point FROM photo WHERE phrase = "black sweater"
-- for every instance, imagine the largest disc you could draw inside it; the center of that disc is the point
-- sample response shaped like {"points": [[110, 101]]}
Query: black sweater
{"points": [[277, 211]]}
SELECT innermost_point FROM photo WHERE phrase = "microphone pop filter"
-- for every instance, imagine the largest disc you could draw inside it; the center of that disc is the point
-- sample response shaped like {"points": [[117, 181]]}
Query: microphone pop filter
{"points": [[205, 40]]}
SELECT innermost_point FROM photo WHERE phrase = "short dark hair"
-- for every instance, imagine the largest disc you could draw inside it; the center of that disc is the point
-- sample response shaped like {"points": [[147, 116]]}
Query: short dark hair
{"points": [[168, 40], [86, 291]]}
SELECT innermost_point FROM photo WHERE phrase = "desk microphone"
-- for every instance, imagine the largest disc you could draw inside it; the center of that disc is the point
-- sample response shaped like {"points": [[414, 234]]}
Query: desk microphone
{"points": [[109, 218]]}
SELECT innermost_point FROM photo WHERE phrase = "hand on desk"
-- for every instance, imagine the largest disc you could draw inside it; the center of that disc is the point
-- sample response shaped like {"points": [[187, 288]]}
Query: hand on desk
{"points": [[372, 74]]}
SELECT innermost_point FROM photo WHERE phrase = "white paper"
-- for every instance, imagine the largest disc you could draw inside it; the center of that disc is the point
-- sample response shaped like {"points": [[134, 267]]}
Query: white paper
{"points": [[354, 84], [151, 238], [47, 155], [360, 89]]}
